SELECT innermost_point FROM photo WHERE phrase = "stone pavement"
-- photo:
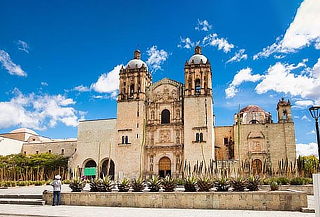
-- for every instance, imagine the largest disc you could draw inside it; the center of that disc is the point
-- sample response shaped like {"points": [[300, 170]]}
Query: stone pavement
{"points": [[88, 211]]}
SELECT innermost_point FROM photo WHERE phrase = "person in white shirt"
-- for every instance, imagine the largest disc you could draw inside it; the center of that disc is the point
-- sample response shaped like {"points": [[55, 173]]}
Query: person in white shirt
{"points": [[56, 184]]}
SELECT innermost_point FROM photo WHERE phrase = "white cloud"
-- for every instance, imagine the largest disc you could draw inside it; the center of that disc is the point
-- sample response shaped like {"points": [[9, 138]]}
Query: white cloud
{"points": [[156, 58], [81, 88], [38, 111], [186, 43], [303, 103], [203, 25], [10, 66], [215, 41], [282, 79], [303, 31], [23, 46], [108, 82], [238, 56], [312, 132], [243, 75], [307, 149], [304, 117], [43, 83]]}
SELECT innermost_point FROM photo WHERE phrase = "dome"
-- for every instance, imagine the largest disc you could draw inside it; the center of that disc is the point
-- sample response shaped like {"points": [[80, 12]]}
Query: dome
{"points": [[197, 58], [252, 108], [136, 64], [24, 130]]}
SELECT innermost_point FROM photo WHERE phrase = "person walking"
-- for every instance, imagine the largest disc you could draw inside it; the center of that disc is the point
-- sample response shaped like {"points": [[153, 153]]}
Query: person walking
{"points": [[56, 184]]}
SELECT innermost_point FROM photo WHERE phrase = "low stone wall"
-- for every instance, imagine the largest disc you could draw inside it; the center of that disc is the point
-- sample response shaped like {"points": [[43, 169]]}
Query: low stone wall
{"points": [[308, 189], [261, 200]]}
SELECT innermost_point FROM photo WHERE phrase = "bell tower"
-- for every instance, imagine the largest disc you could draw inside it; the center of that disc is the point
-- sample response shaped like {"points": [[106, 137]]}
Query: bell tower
{"points": [[198, 76], [131, 113], [198, 109], [284, 111], [134, 79]]}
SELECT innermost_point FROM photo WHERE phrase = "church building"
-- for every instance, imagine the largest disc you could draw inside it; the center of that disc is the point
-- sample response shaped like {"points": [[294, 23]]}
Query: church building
{"points": [[162, 125]]}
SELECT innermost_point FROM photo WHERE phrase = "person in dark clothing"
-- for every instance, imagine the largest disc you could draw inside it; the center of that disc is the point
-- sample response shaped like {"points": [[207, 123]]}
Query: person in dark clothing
{"points": [[56, 184]]}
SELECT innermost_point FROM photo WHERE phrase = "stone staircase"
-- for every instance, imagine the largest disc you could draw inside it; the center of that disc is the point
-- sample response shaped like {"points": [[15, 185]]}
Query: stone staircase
{"points": [[22, 199]]}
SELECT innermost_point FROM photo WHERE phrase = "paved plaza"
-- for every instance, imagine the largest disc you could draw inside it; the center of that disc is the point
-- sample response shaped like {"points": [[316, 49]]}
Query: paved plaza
{"points": [[26, 210]]}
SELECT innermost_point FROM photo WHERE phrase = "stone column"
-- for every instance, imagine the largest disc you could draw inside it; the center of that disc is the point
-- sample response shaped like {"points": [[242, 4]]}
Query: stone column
{"points": [[316, 189]]}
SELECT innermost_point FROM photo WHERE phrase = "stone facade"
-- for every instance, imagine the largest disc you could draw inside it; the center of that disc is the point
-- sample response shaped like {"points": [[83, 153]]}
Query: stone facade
{"points": [[161, 126]]}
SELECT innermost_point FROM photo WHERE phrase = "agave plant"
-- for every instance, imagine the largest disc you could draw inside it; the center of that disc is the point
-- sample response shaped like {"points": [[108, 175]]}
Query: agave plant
{"points": [[222, 184], [204, 184], [137, 184], [77, 185], [253, 183], [274, 186], [94, 185], [106, 184], [190, 184], [168, 183], [238, 184], [154, 184], [124, 185]]}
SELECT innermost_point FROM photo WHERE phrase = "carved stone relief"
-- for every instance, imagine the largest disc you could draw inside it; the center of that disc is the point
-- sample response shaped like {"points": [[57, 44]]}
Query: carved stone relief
{"points": [[165, 136]]}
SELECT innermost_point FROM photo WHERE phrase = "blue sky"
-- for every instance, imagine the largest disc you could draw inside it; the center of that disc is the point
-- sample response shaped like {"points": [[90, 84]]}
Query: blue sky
{"points": [[59, 59]]}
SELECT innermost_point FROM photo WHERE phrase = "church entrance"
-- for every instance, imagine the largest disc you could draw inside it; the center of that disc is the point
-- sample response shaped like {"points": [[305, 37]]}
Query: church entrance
{"points": [[256, 167], [107, 169], [164, 167]]}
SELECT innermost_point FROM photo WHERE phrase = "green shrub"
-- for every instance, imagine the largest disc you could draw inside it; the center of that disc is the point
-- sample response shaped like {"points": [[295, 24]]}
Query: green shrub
{"points": [[190, 184], [253, 183], [124, 185], [66, 181], [94, 185], [77, 185], [274, 186], [297, 181], [180, 181], [238, 184], [168, 183], [205, 184], [222, 184], [308, 181], [137, 185], [154, 184], [283, 180]]}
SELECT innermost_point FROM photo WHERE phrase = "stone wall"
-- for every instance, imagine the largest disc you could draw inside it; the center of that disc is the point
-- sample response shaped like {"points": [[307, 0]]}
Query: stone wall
{"points": [[64, 147], [262, 200]]}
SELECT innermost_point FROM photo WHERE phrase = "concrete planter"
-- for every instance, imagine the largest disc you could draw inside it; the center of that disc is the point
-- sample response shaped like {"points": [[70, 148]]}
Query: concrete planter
{"points": [[261, 200], [308, 189]]}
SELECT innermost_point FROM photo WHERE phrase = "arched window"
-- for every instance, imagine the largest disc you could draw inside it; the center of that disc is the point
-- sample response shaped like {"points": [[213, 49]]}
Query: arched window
{"points": [[201, 137], [197, 86], [152, 115], [126, 140], [165, 116], [197, 137], [131, 90], [123, 140]]}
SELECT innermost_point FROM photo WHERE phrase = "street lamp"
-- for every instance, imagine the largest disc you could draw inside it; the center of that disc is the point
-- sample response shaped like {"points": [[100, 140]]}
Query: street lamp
{"points": [[315, 113]]}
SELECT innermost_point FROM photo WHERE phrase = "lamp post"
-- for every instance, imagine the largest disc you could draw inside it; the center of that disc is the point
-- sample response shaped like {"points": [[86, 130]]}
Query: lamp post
{"points": [[315, 113]]}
